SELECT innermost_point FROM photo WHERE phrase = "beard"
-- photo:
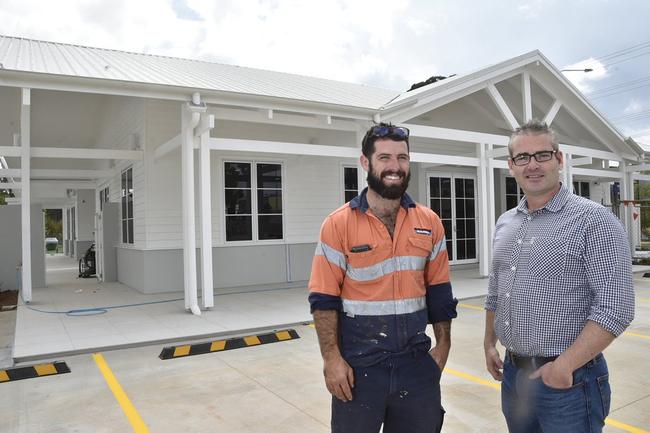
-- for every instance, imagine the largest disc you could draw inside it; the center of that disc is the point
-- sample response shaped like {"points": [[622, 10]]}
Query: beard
{"points": [[390, 192]]}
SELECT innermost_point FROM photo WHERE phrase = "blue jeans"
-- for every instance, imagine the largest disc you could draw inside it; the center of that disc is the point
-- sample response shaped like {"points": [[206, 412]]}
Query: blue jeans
{"points": [[402, 393], [530, 406]]}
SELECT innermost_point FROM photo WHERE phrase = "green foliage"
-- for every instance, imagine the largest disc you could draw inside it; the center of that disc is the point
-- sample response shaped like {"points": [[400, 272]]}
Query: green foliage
{"points": [[53, 224]]}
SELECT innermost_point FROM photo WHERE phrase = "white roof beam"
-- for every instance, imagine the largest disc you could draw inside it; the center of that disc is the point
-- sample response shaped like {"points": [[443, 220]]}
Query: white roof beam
{"points": [[456, 134], [526, 96], [587, 160], [59, 174], [10, 151], [84, 153], [502, 106], [597, 173], [167, 147], [552, 112], [584, 151]]}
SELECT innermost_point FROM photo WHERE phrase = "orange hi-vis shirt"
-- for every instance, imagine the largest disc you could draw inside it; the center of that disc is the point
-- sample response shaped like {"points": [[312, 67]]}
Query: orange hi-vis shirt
{"points": [[387, 289]]}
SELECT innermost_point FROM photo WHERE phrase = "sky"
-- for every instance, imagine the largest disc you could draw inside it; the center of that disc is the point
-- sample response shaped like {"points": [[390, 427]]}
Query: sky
{"points": [[385, 43]]}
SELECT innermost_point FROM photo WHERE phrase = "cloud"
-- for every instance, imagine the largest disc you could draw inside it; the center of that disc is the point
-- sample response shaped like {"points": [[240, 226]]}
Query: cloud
{"points": [[633, 107], [584, 80]]}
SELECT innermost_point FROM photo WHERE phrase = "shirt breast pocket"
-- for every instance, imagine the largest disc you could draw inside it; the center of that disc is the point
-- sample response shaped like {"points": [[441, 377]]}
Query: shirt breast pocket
{"points": [[419, 246], [548, 258]]}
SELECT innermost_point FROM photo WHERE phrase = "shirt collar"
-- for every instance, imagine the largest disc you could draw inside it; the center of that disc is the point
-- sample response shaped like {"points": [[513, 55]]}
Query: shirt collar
{"points": [[553, 205], [361, 201]]}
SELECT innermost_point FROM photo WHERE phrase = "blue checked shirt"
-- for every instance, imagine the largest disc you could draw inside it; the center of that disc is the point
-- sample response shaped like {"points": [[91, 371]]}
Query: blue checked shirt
{"points": [[555, 268]]}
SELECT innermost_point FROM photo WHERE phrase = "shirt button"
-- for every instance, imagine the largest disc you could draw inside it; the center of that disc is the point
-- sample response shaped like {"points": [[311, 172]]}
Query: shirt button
{"points": [[514, 268], [512, 348], [507, 295], [507, 323], [529, 217], [519, 241]]}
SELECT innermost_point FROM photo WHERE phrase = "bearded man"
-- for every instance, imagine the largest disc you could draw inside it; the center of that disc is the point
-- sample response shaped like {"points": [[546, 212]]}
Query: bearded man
{"points": [[380, 274]]}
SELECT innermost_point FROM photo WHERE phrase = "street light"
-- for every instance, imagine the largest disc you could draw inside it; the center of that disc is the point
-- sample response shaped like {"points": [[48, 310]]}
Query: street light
{"points": [[577, 70]]}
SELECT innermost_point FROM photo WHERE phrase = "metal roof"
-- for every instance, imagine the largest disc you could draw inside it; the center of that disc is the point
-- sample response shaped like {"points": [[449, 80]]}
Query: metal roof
{"points": [[28, 55]]}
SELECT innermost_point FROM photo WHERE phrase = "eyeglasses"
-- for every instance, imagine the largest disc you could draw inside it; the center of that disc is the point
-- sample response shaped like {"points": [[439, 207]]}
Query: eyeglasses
{"points": [[398, 132], [541, 156]]}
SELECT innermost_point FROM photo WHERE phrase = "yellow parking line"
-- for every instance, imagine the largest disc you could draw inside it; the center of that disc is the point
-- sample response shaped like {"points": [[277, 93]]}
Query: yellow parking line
{"points": [[472, 307], [496, 385], [129, 410], [634, 334]]}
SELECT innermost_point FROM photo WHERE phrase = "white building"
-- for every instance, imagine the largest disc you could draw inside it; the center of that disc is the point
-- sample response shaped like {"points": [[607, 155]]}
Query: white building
{"points": [[208, 176]]}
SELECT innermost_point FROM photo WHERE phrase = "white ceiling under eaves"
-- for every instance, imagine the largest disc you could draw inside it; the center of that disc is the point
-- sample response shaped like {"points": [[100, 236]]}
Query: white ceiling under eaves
{"points": [[27, 55]]}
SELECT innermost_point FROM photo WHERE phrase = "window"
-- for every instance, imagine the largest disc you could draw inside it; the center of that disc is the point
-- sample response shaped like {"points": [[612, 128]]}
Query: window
{"points": [[513, 193], [253, 201], [581, 189], [127, 206], [350, 183], [103, 198]]}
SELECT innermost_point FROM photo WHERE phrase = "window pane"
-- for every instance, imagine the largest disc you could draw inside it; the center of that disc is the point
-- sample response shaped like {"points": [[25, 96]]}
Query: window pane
{"points": [[270, 226], [269, 201], [350, 178], [511, 185], [239, 228], [130, 225], [125, 232], [238, 201], [129, 206], [470, 229], [446, 208], [123, 207], [445, 187], [469, 208], [460, 229], [450, 250], [349, 195], [237, 174], [447, 225], [471, 249], [461, 254], [129, 180], [460, 208], [123, 184], [460, 187], [434, 185], [576, 188], [469, 188], [511, 201], [269, 176], [435, 205], [585, 189]]}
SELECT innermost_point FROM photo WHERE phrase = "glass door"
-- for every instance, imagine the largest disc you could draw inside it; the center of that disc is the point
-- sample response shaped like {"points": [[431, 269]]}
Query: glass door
{"points": [[453, 198]]}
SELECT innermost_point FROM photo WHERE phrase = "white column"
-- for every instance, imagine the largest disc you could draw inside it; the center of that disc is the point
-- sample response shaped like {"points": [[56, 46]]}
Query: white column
{"points": [[25, 195], [483, 210], [188, 121], [568, 171], [206, 212], [627, 193]]}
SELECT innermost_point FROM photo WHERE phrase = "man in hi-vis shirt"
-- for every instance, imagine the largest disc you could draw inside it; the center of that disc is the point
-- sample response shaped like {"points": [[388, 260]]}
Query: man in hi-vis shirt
{"points": [[380, 274]]}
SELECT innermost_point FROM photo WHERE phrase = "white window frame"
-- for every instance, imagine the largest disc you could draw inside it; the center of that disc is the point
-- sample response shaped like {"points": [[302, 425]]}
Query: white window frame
{"points": [[132, 219], [254, 211], [360, 184]]}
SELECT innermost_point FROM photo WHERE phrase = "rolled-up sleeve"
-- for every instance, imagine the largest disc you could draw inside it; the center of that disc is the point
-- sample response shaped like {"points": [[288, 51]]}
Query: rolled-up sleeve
{"points": [[441, 304], [609, 272]]}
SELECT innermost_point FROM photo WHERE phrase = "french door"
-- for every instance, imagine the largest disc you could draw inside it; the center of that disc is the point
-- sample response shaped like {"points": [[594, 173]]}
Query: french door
{"points": [[453, 198]]}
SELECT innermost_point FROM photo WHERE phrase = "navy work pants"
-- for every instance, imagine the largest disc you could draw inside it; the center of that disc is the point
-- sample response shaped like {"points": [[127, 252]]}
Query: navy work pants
{"points": [[402, 393]]}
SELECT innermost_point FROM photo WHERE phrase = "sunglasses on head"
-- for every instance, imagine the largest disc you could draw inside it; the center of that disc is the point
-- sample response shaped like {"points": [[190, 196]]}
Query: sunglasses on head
{"points": [[389, 131]]}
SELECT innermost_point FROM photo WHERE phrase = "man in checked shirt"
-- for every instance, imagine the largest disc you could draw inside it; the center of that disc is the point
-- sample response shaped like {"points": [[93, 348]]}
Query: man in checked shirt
{"points": [[560, 291]]}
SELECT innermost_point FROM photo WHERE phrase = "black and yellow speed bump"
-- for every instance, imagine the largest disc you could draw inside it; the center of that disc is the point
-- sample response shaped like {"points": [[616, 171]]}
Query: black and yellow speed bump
{"points": [[229, 344], [38, 370]]}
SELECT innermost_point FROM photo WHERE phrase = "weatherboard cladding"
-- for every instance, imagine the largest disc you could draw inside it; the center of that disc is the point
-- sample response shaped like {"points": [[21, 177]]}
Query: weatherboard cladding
{"points": [[26, 55]]}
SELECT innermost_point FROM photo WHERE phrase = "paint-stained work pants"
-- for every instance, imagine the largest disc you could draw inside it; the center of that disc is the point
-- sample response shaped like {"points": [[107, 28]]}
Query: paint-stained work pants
{"points": [[402, 393]]}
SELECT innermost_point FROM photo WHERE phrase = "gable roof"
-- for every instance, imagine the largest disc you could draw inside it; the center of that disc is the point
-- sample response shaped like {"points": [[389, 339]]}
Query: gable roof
{"points": [[42, 57]]}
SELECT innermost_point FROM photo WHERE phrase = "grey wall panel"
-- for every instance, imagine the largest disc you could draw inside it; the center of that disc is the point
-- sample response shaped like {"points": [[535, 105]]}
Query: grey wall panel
{"points": [[130, 268], [249, 265], [301, 256], [163, 271], [111, 233], [11, 250]]}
